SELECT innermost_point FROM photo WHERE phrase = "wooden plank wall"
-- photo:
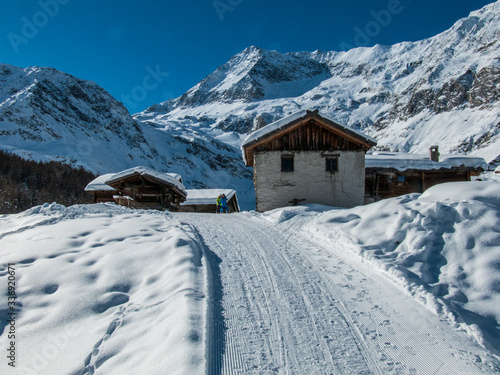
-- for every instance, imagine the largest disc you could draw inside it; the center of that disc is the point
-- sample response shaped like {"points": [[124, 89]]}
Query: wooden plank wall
{"points": [[103, 196], [383, 184], [309, 137]]}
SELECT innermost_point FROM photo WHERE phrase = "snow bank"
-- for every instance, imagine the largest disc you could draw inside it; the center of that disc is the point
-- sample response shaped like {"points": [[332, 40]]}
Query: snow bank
{"points": [[490, 175], [485, 192], [443, 247], [102, 288]]}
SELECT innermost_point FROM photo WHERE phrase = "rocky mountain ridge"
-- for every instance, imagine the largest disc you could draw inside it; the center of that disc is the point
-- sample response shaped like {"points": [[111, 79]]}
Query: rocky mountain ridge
{"points": [[48, 115], [443, 89]]}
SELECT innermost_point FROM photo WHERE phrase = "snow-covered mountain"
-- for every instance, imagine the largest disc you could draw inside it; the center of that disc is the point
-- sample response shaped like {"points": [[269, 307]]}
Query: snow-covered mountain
{"points": [[444, 90], [46, 114], [49, 115]]}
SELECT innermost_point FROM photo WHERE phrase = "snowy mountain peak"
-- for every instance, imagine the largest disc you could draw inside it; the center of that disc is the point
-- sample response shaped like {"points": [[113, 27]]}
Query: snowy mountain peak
{"points": [[255, 74], [443, 89]]}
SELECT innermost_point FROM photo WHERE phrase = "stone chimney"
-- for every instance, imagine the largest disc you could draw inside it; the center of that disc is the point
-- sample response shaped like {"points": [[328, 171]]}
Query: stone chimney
{"points": [[434, 153]]}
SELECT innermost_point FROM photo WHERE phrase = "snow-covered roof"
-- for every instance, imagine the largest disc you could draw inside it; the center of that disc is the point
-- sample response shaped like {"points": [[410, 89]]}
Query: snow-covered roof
{"points": [[205, 196], [402, 161], [292, 119], [285, 121], [272, 127], [99, 184], [102, 183], [177, 176]]}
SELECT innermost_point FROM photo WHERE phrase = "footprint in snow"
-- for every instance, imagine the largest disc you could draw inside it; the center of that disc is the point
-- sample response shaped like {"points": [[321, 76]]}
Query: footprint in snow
{"points": [[110, 300]]}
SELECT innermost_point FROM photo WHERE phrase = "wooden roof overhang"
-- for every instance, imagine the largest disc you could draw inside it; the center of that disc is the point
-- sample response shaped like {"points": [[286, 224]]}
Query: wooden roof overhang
{"points": [[136, 177], [364, 143]]}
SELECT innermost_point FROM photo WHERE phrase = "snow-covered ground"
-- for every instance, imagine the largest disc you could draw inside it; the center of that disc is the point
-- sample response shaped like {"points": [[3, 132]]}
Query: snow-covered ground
{"points": [[103, 289], [404, 286]]}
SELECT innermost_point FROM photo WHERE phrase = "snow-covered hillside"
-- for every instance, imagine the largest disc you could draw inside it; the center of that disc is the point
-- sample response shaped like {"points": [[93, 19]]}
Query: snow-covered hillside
{"points": [[443, 90], [102, 287], [408, 96], [46, 114], [442, 246], [408, 286]]}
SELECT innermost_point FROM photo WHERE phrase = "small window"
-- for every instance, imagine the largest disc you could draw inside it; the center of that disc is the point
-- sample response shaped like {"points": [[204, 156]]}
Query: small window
{"points": [[401, 178], [287, 163], [332, 164]]}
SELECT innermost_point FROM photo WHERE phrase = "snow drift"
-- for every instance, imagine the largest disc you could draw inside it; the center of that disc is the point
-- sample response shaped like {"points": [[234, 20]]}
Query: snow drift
{"points": [[104, 288], [442, 246]]}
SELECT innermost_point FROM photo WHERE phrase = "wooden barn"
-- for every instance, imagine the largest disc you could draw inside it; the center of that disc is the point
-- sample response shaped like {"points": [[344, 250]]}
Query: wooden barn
{"points": [[307, 158], [203, 200], [391, 174], [100, 191], [141, 188]]}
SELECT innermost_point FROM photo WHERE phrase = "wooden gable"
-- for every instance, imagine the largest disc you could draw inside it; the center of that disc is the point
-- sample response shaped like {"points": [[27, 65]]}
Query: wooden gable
{"points": [[312, 132], [143, 181]]}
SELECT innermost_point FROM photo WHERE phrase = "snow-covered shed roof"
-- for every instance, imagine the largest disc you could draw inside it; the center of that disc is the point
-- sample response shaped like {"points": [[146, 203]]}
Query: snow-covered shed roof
{"points": [[103, 183], [99, 184], [294, 119], [160, 177], [206, 196], [402, 161]]}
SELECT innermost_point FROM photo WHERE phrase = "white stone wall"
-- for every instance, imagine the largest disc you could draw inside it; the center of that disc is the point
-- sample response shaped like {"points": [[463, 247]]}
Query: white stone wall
{"points": [[309, 180]]}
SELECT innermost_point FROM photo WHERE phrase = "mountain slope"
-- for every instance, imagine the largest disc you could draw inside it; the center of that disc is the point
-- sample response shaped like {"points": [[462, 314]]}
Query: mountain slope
{"points": [[442, 90], [46, 115], [411, 95]]}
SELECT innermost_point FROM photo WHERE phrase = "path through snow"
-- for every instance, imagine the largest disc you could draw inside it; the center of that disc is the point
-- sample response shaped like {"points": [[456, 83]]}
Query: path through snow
{"points": [[283, 303], [106, 290]]}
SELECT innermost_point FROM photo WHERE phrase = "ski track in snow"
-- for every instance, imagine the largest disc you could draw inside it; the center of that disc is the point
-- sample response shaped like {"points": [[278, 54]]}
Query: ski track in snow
{"points": [[282, 303], [279, 300]]}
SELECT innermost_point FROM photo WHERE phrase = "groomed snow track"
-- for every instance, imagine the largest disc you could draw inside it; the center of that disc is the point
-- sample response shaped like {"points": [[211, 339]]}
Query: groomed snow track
{"points": [[281, 303]]}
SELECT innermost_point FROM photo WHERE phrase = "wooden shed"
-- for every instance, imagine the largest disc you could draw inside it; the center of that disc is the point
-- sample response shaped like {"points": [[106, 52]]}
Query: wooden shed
{"points": [[391, 174], [101, 191], [140, 187], [203, 200]]}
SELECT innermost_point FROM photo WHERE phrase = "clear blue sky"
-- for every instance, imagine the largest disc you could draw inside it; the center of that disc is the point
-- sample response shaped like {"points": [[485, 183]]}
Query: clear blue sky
{"points": [[149, 51]]}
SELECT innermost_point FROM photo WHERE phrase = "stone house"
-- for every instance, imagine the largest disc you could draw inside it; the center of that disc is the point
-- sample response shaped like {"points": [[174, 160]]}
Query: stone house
{"points": [[307, 158]]}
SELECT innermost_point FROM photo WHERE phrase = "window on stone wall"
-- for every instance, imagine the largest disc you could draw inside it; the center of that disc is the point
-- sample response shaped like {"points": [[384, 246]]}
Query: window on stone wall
{"points": [[332, 164], [287, 163]]}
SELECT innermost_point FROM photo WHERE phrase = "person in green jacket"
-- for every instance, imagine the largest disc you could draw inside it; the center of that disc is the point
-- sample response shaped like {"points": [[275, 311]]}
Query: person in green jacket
{"points": [[218, 204]]}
